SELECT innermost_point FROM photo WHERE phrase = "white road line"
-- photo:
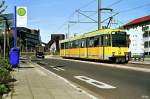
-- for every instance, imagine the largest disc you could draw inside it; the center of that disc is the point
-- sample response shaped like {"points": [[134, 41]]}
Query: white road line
{"points": [[94, 82], [52, 66], [61, 69], [56, 69]]}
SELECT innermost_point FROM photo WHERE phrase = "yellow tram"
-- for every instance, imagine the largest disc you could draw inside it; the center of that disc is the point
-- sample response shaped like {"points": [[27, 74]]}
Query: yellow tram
{"points": [[104, 44]]}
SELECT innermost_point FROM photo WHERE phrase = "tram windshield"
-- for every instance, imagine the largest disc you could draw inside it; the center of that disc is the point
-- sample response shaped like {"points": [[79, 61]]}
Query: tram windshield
{"points": [[119, 39]]}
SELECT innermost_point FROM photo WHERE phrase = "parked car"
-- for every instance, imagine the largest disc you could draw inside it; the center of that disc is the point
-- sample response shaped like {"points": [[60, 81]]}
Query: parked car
{"points": [[39, 55]]}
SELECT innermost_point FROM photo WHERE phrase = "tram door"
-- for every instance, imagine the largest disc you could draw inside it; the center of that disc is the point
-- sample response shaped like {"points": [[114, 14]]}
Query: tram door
{"points": [[101, 48], [83, 48]]}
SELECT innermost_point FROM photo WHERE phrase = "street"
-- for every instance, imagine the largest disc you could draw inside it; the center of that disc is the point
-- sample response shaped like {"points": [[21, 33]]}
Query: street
{"points": [[101, 81]]}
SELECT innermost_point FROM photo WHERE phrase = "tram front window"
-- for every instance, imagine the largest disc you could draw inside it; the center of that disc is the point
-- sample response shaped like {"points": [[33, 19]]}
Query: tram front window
{"points": [[119, 39]]}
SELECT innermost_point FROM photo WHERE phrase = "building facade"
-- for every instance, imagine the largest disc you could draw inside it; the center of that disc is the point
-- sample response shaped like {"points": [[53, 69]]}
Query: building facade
{"points": [[139, 31], [6, 21], [29, 38], [53, 44], [146, 38]]}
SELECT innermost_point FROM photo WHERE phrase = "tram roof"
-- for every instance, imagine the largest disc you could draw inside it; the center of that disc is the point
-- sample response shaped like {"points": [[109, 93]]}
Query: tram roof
{"points": [[91, 34]]}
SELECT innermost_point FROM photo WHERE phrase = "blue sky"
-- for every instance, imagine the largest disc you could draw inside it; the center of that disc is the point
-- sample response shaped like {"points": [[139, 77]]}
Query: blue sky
{"points": [[51, 16]]}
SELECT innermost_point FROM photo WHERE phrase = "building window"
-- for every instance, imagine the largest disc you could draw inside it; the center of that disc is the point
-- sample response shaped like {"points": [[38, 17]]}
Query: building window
{"points": [[146, 44], [145, 34], [145, 28], [146, 53], [149, 44]]}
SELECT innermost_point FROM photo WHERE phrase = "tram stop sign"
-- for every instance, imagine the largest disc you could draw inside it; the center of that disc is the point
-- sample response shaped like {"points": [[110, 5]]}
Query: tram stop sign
{"points": [[14, 57]]}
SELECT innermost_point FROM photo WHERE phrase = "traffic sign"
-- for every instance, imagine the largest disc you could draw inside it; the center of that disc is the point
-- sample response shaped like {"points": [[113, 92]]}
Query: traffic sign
{"points": [[21, 16]]}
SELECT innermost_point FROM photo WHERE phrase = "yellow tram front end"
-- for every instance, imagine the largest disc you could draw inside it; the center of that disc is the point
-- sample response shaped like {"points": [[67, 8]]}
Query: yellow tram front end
{"points": [[119, 46]]}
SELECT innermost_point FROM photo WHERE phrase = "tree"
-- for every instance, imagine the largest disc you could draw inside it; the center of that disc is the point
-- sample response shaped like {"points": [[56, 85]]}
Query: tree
{"points": [[3, 7]]}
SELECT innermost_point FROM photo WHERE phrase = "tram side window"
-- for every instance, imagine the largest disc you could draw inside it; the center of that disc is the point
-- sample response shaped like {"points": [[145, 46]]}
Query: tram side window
{"points": [[66, 45], [101, 40], [96, 41], [105, 40], [75, 44], [91, 42], [62, 46], [71, 44], [83, 43]]}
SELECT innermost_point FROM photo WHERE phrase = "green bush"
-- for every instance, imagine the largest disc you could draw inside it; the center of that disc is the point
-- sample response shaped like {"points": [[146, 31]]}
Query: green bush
{"points": [[3, 89], [4, 63], [4, 75]]}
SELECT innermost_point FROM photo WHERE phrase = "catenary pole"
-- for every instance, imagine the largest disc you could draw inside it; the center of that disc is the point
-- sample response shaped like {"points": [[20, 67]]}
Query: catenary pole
{"points": [[99, 14]]}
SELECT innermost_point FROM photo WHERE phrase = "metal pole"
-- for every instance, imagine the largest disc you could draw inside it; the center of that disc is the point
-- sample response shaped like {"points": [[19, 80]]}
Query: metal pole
{"points": [[15, 30], [68, 30], [4, 40], [99, 14], [4, 45]]}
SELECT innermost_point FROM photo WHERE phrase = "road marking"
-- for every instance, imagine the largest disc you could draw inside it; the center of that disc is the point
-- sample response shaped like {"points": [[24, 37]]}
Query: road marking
{"points": [[56, 69], [60, 68], [94, 82]]}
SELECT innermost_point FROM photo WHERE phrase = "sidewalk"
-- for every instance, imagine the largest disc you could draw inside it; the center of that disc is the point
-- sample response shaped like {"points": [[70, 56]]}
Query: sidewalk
{"points": [[146, 61], [34, 82]]}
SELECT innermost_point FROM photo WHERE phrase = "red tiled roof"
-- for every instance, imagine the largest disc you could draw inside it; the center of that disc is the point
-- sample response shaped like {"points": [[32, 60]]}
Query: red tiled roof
{"points": [[139, 20]]}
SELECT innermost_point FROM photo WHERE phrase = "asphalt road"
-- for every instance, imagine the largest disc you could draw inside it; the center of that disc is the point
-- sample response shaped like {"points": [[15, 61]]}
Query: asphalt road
{"points": [[128, 84]]}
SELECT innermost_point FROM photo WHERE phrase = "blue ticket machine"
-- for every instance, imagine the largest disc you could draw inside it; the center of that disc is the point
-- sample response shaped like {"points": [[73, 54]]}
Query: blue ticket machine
{"points": [[14, 57]]}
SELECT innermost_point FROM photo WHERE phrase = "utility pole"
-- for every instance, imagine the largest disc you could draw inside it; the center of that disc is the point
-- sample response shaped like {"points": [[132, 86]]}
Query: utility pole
{"points": [[99, 14], [4, 44], [68, 30]]}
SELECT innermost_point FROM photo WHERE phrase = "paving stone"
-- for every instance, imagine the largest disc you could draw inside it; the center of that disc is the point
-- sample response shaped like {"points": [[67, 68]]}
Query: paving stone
{"points": [[36, 83]]}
